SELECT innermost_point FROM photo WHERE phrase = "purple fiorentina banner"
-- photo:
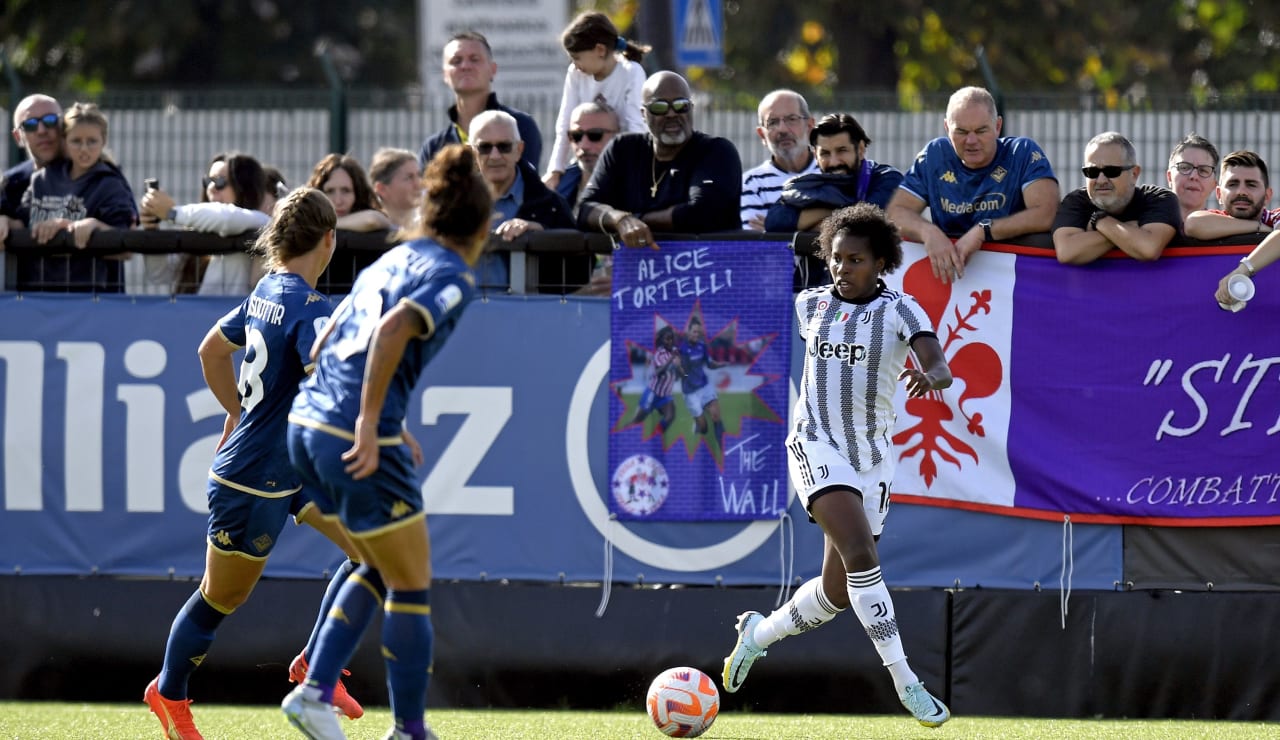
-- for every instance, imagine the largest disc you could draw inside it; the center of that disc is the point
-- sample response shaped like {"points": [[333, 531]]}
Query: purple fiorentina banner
{"points": [[1113, 392], [701, 344]]}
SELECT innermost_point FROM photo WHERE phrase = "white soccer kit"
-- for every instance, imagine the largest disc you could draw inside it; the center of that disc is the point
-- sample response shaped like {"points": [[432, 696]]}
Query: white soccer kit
{"points": [[854, 353]]}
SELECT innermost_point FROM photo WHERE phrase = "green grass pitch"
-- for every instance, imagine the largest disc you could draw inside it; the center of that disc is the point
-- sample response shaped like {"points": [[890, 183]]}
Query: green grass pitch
{"points": [[226, 722]]}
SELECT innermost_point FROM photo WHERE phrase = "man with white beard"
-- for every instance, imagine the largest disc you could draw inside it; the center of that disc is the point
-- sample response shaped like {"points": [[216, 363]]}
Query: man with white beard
{"points": [[672, 179], [784, 129]]}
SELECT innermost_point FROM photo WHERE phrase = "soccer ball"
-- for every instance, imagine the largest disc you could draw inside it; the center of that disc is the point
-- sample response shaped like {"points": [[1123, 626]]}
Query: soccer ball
{"points": [[683, 702]]}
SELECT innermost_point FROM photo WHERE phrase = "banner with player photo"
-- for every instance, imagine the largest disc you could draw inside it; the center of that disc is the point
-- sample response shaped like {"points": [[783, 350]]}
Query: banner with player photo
{"points": [[701, 345], [1115, 392]]}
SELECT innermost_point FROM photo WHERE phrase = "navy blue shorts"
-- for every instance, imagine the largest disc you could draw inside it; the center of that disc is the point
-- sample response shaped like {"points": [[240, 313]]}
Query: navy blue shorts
{"points": [[389, 498], [243, 523]]}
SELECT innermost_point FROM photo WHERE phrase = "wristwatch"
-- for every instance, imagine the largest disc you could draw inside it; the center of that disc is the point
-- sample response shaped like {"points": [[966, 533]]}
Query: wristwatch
{"points": [[1248, 267], [986, 229]]}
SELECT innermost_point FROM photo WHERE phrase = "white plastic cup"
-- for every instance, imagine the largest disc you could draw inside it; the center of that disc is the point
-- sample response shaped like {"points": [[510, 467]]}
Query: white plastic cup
{"points": [[1242, 289]]}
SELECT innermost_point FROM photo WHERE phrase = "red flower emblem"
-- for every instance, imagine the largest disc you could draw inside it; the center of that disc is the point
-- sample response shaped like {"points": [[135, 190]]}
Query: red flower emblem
{"points": [[974, 362]]}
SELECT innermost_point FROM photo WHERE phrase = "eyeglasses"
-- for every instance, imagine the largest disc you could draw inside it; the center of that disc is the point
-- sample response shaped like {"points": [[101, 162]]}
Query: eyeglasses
{"points": [[218, 182], [660, 107], [1186, 168], [592, 134], [1112, 171], [32, 124], [485, 148], [790, 121]]}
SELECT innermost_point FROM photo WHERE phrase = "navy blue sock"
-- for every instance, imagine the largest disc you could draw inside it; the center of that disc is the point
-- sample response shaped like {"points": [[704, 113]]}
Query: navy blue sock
{"points": [[330, 594], [189, 640], [357, 601], [719, 429], [406, 645]]}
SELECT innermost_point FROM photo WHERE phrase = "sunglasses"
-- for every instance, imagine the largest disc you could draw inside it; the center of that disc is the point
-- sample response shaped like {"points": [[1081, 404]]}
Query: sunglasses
{"points": [[485, 148], [660, 107], [592, 134], [218, 182], [32, 124], [1112, 171]]}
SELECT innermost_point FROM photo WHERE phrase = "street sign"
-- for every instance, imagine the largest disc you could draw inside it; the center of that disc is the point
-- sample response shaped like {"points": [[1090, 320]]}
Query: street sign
{"points": [[699, 33]]}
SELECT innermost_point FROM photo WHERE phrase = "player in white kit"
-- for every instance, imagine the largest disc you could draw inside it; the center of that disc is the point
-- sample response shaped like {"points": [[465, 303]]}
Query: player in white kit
{"points": [[857, 335]]}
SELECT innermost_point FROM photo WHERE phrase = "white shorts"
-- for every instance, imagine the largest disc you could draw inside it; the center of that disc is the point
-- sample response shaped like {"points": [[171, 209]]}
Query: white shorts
{"points": [[817, 468], [697, 400]]}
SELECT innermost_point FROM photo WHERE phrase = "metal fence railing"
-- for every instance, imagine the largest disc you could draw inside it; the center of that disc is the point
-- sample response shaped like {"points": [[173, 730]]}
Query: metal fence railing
{"points": [[171, 135]]}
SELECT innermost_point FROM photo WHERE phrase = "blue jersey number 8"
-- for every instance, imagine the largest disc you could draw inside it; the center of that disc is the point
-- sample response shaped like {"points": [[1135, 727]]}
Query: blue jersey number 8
{"points": [[250, 386]]}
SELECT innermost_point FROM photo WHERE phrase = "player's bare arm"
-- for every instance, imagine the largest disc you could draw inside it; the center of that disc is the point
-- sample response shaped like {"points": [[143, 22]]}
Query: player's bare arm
{"points": [[931, 373], [386, 348], [219, 371]]}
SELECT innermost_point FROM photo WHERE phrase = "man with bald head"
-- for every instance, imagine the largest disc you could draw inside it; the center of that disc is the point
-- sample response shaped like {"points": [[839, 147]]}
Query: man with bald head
{"points": [[672, 179], [592, 125], [978, 186], [784, 129], [37, 128]]}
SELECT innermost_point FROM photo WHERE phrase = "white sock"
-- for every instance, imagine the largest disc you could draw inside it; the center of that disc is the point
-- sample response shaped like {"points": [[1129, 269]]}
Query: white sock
{"points": [[874, 607], [808, 609]]}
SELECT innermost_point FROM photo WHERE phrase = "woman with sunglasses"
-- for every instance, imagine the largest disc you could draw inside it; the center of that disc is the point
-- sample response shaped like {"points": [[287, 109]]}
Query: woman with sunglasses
{"points": [[605, 66], [79, 193], [234, 199]]}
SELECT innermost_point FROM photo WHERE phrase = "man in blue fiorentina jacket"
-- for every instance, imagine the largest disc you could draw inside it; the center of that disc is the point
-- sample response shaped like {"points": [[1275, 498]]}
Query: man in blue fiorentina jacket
{"points": [[978, 186]]}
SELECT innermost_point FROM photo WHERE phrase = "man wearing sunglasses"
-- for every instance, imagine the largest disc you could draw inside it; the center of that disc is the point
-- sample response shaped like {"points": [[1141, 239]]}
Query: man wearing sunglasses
{"points": [[521, 202], [672, 179], [785, 125], [592, 125], [37, 127], [979, 187], [1112, 210]]}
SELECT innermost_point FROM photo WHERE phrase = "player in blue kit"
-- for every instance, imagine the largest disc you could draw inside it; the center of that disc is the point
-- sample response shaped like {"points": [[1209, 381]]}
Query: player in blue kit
{"points": [[346, 439], [857, 335], [699, 394], [252, 486]]}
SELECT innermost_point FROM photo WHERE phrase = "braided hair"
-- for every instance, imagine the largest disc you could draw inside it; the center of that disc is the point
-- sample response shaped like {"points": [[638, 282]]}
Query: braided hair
{"points": [[300, 221]]}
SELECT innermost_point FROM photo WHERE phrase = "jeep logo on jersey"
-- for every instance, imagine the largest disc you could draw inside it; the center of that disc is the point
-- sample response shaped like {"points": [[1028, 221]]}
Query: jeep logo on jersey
{"points": [[843, 351]]}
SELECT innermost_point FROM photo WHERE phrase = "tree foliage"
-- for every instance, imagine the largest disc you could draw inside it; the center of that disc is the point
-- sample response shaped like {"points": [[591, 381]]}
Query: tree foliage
{"points": [[1116, 54], [83, 46], [1111, 54]]}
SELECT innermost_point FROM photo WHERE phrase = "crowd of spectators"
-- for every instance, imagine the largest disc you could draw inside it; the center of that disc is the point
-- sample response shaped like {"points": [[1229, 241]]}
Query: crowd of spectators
{"points": [[628, 161]]}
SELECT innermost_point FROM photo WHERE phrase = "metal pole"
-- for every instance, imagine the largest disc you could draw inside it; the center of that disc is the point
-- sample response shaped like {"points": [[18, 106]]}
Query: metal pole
{"points": [[337, 103], [994, 87]]}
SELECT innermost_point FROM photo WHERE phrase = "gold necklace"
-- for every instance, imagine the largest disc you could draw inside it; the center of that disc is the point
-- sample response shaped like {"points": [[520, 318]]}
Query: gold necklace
{"points": [[653, 191]]}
